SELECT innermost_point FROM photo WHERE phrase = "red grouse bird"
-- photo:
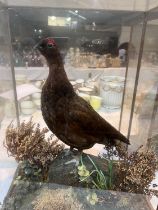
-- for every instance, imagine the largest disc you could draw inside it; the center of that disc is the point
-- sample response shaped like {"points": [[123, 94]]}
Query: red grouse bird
{"points": [[66, 114]]}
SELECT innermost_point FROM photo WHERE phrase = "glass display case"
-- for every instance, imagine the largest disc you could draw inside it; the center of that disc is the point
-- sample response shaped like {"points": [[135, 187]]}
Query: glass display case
{"points": [[8, 108], [93, 44], [141, 80], [109, 51]]}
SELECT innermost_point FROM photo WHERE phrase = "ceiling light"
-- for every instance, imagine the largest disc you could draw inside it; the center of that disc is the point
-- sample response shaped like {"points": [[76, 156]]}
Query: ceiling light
{"points": [[53, 18], [68, 19], [80, 16]]}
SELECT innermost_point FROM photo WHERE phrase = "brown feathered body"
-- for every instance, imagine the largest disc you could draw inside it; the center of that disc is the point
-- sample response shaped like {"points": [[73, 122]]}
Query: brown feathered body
{"points": [[70, 117]]}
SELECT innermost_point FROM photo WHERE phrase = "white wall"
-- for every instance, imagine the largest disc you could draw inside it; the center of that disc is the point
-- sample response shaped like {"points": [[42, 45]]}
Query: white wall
{"points": [[152, 4], [2, 1], [131, 5]]}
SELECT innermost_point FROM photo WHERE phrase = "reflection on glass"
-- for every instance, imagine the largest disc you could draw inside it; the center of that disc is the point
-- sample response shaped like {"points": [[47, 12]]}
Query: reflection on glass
{"points": [[94, 45], [146, 98], [91, 50], [145, 103], [134, 47], [7, 104]]}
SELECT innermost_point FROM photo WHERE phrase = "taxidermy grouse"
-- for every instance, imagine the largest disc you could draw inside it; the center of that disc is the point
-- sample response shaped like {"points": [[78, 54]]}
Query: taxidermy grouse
{"points": [[66, 114]]}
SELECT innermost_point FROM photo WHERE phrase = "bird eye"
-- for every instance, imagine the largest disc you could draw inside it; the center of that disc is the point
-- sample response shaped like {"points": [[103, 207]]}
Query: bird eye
{"points": [[50, 45]]}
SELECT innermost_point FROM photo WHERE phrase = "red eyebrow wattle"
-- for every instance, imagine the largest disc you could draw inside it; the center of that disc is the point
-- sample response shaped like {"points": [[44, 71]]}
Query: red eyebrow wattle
{"points": [[51, 41]]}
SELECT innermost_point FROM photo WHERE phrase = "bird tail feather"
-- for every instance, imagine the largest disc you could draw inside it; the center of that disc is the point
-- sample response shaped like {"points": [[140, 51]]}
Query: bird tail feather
{"points": [[117, 139]]}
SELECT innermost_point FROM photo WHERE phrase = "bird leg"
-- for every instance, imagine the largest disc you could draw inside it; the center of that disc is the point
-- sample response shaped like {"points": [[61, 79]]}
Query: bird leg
{"points": [[76, 154], [75, 151], [70, 152], [71, 149]]}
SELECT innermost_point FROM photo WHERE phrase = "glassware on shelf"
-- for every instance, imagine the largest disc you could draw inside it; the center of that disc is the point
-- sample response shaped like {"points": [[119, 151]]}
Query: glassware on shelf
{"points": [[36, 98], [9, 109], [27, 107], [77, 57], [115, 62], [95, 102], [79, 83], [111, 90]]}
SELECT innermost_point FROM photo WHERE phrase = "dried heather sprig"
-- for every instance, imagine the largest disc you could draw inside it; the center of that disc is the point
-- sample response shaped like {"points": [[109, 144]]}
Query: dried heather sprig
{"points": [[28, 142], [136, 171]]}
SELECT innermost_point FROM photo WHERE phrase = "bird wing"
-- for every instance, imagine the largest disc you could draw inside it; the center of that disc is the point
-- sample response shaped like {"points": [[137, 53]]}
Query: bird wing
{"points": [[81, 114]]}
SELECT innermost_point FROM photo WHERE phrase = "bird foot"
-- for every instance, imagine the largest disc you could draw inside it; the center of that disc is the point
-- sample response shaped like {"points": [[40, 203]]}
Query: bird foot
{"points": [[75, 161], [72, 151], [71, 161], [76, 155], [68, 152]]}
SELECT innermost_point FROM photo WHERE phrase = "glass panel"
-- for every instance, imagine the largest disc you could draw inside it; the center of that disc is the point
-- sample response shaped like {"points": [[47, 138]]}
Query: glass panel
{"points": [[146, 98], [134, 49], [144, 116], [93, 44], [7, 104], [152, 4], [122, 5]]}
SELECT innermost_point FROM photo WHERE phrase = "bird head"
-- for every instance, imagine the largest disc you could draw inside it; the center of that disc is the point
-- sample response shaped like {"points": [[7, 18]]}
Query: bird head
{"points": [[47, 48]]}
